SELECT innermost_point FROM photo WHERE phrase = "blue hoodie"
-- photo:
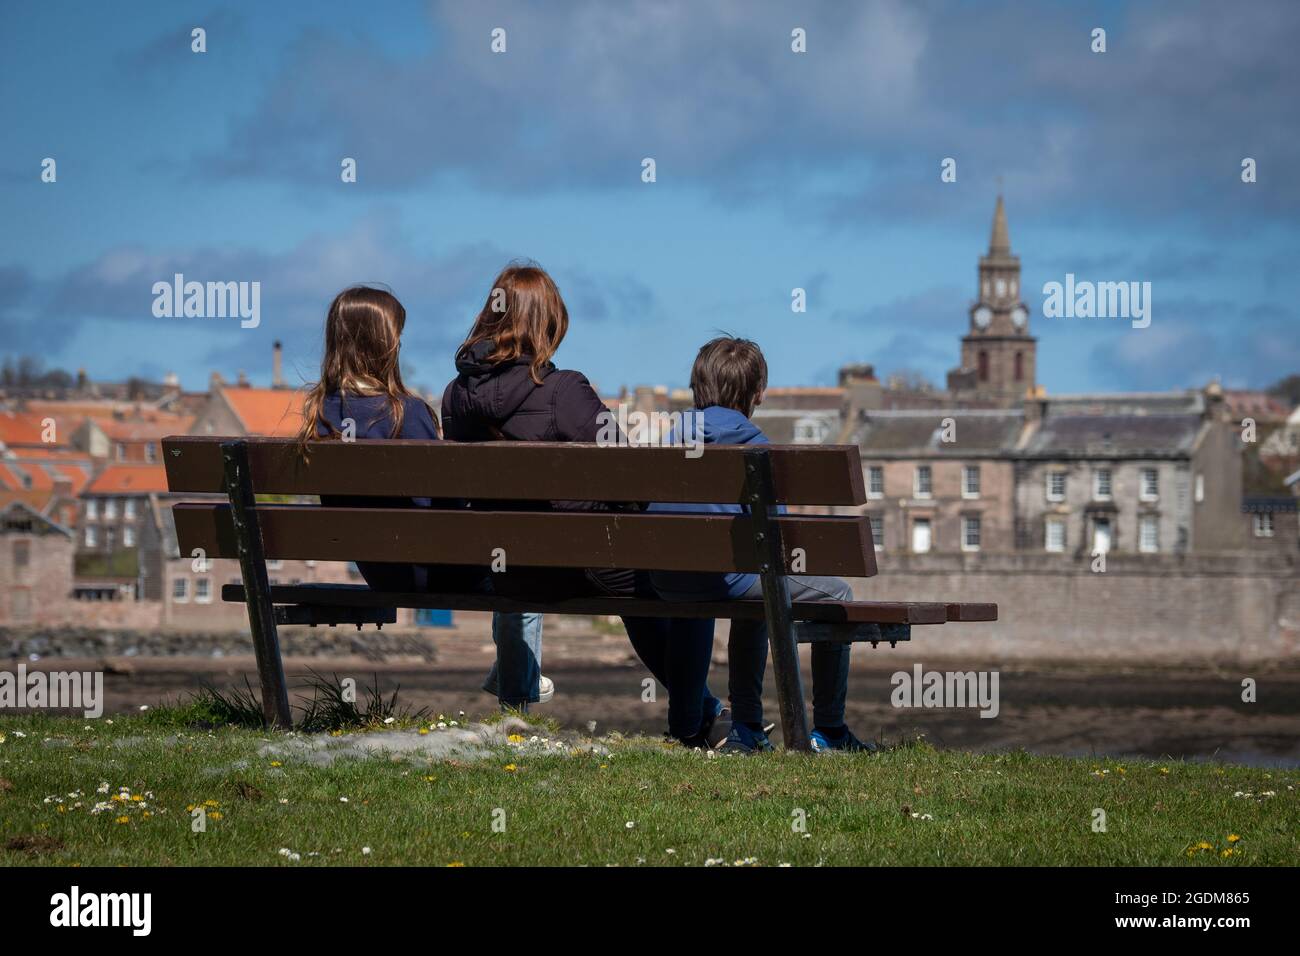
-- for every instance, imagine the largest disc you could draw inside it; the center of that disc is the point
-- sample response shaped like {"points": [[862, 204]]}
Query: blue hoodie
{"points": [[722, 426]]}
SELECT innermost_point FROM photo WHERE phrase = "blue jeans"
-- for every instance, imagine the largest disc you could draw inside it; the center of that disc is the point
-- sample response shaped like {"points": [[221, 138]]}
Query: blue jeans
{"points": [[747, 657], [518, 667], [678, 651]]}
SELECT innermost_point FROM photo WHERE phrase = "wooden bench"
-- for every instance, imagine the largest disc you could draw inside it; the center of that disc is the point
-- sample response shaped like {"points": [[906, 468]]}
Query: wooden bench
{"points": [[760, 542]]}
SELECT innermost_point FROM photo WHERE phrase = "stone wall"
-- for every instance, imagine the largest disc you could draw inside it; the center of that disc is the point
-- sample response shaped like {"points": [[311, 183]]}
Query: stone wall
{"points": [[1229, 607]]}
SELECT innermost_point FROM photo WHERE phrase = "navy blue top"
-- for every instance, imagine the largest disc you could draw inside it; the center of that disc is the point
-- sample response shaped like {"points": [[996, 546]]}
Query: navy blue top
{"points": [[373, 416]]}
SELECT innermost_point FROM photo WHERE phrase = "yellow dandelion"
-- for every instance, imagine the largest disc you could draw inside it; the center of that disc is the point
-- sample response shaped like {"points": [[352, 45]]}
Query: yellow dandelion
{"points": [[455, 863], [276, 763], [1233, 838], [1164, 771], [191, 808], [424, 731], [123, 819], [214, 815], [516, 738], [62, 808], [146, 814], [1227, 852], [1204, 846], [511, 768], [211, 803], [430, 779], [137, 799]]}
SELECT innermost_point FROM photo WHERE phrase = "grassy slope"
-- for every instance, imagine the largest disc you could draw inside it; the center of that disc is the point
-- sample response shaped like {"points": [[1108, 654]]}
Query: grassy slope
{"points": [[575, 809]]}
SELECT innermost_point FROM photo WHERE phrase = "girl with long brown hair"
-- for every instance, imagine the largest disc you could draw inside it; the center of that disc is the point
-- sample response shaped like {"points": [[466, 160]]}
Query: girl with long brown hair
{"points": [[360, 395]]}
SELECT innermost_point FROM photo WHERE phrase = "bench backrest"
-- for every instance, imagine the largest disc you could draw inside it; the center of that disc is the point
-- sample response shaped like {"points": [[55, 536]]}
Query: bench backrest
{"points": [[823, 475]]}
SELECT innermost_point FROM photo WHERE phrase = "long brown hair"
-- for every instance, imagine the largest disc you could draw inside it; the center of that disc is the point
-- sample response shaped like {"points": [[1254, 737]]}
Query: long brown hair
{"points": [[363, 332], [524, 315]]}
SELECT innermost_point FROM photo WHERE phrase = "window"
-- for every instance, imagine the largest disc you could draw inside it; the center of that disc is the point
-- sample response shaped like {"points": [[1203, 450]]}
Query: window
{"points": [[180, 590], [810, 431], [1101, 536], [1056, 486], [921, 535], [922, 487], [878, 531], [1020, 366], [150, 452], [875, 482], [1200, 488], [91, 537], [110, 538], [970, 532], [970, 481], [1101, 484], [1149, 486], [1263, 524], [128, 509], [1001, 285], [121, 451], [23, 553], [1148, 533], [1054, 537], [274, 564], [110, 509], [128, 537], [984, 366], [92, 509], [203, 590]]}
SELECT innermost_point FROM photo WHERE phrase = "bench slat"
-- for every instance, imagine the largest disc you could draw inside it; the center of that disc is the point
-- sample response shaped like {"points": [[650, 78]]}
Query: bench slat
{"points": [[358, 595], [966, 611], [557, 539], [522, 471]]}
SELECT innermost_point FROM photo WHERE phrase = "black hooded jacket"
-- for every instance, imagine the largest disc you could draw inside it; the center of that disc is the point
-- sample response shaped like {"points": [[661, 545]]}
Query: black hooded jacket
{"points": [[501, 401]]}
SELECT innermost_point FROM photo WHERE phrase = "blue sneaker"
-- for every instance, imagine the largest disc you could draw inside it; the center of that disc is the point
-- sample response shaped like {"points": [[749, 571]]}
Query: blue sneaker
{"points": [[822, 744], [742, 740]]}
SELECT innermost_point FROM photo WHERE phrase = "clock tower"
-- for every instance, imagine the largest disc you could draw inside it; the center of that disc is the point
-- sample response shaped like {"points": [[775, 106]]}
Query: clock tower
{"points": [[997, 352]]}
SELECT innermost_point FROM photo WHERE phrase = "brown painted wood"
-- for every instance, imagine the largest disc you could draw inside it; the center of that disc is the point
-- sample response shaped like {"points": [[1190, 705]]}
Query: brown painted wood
{"points": [[554, 539], [358, 595], [524, 471], [965, 611]]}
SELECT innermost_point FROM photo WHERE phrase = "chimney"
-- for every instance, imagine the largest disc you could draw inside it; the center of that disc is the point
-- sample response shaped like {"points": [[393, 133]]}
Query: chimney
{"points": [[277, 366], [862, 391], [242, 381], [215, 381]]}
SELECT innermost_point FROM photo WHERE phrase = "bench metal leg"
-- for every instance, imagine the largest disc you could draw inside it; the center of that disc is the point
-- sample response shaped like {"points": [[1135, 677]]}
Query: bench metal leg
{"points": [[776, 599], [257, 589]]}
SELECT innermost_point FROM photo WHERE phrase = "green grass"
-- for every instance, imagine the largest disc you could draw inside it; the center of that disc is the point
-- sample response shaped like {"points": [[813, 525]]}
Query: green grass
{"points": [[574, 807]]}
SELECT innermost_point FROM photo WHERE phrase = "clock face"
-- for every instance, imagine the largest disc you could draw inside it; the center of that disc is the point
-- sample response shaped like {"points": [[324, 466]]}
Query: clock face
{"points": [[1020, 315], [983, 316]]}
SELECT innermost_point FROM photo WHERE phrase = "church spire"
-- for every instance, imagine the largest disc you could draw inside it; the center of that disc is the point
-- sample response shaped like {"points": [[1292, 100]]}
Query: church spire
{"points": [[999, 241]]}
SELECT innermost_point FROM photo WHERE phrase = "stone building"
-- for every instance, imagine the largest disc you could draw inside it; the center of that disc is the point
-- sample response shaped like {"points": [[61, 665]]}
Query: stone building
{"points": [[1147, 474], [940, 481], [35, 565]]}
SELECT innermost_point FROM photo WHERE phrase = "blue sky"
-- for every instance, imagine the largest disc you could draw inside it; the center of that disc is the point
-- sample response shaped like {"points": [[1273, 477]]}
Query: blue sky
{"points": [[775, 170]]}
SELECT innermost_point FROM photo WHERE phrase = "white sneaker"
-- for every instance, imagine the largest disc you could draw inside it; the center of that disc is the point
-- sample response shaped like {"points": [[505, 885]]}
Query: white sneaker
{"points": [[545, 689]]}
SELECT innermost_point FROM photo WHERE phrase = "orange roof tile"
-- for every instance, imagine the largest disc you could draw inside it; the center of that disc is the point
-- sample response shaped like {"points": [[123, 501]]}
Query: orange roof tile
{"points": [[128, 479], [20, 428], [276, 412], [158, 427]]}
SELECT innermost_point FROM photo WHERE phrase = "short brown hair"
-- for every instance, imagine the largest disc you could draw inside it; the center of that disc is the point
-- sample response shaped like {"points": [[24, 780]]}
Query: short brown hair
{"points": [[729, 372]]}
